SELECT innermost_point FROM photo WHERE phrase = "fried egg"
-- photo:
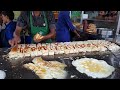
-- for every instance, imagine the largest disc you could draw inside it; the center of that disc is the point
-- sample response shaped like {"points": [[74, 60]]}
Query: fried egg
{"points": [[93, 67]]}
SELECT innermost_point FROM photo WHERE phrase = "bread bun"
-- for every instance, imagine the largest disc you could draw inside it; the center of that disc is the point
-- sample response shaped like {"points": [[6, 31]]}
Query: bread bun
{"points": [[38, 36]]}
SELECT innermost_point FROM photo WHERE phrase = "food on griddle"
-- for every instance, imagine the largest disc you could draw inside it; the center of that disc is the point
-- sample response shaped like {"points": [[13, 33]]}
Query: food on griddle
{"points": [[44, 49], [47, 69], [24, 50], [50, 49], [34, 50], [17, 51], [93, 67]]}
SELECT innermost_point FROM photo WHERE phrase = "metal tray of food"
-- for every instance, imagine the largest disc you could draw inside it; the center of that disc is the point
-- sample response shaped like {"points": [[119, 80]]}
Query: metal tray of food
{"points": [[72, 72], [17, 71]]}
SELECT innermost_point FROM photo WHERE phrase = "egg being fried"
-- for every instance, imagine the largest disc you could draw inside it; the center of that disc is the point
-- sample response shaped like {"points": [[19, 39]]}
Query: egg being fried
{"points": [[93, 67]]}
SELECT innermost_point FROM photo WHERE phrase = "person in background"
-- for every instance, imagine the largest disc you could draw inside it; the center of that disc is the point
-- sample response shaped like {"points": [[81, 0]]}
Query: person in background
{"points": [[41, 26], [91, 14], [111, 15], [7, 33], [90, 31], [101, 15], [63, 27]]}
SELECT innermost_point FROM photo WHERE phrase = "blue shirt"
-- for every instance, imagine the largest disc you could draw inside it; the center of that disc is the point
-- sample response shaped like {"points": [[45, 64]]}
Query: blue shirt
{"points": [[63, 27], [8, 33], [10, 28]]}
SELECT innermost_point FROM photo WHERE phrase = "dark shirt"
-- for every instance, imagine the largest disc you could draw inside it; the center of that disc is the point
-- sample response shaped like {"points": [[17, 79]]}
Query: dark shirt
{"points": [[10, 28], [7, 34], [24, 19]]}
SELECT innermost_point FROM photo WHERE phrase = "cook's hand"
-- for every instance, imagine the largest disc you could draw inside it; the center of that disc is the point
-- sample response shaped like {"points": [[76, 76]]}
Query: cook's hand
{"points": [[15, 40], [10, 42], [38, 38]]}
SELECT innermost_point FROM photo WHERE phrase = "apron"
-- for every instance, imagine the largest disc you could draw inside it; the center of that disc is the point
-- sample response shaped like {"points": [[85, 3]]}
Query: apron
{"points": [[41, 30]]}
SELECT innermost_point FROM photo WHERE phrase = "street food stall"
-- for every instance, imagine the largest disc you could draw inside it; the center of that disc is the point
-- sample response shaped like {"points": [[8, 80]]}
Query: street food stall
{"points": [[88, 59]]}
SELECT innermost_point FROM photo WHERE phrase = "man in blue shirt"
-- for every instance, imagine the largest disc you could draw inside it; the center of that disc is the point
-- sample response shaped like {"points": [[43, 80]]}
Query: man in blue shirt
{"points": [[7, 34], [63, 27]]}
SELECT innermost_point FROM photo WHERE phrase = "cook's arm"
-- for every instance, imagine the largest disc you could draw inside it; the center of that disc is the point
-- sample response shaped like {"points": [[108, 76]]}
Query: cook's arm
{"points": [[50, 35], [21, 22], [17, 31], [69, 23], [52, 27]]}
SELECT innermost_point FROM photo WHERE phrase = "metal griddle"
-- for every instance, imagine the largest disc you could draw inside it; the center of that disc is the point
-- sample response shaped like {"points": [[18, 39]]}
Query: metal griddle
{"points": [[15, 69]]}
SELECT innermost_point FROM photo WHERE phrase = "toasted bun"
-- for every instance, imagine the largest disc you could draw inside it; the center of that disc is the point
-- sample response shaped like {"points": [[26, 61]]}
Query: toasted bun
{"points": [[38, 36], [14, 49]]}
